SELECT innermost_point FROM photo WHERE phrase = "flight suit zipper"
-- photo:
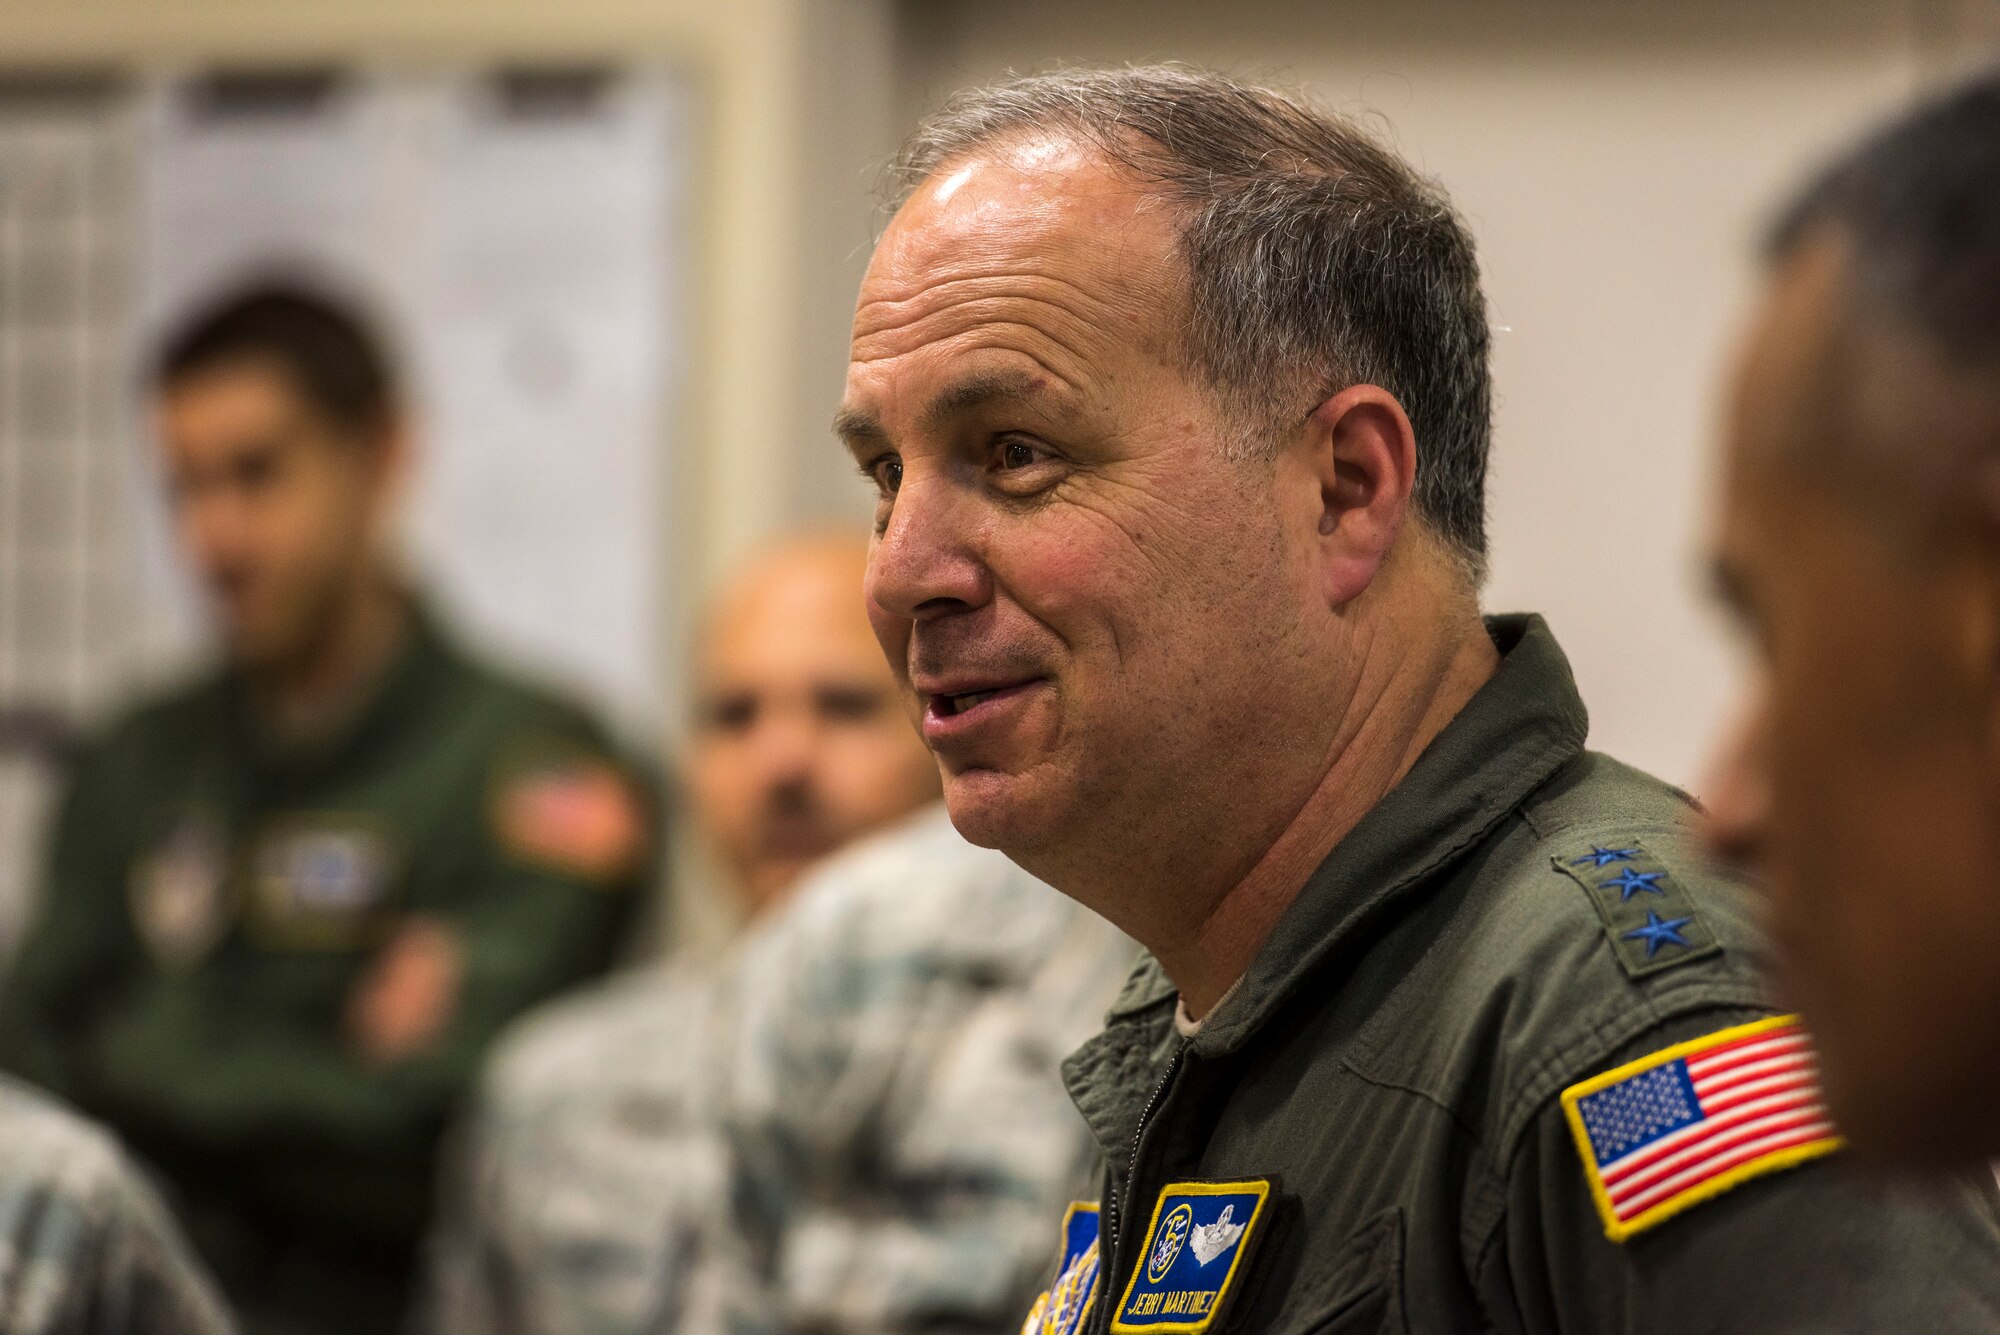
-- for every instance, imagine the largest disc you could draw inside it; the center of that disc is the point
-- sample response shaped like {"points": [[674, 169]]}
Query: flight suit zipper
{"points": [[1106, 1299]]}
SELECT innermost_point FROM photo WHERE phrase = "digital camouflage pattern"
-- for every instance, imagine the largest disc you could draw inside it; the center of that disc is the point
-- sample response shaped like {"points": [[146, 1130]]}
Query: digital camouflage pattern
{"points": [[86, 1246], [858, 1125]]}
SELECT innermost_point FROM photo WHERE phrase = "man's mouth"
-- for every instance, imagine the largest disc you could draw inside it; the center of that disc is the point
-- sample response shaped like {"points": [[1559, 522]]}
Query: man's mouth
{"points": [[949, 705], [949, 711]]}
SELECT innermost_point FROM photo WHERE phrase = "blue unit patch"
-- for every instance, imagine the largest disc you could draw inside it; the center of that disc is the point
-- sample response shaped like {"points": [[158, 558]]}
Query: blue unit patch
{"points": [[1067, 1304], [1193, 1255]]}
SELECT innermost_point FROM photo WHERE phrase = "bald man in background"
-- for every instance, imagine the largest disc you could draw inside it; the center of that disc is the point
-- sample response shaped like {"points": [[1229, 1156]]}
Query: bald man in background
{"points": [[798, 744]]}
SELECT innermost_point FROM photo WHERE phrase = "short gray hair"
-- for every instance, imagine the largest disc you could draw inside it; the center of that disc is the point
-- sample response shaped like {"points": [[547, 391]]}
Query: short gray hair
{"points": [[1317, 258]]}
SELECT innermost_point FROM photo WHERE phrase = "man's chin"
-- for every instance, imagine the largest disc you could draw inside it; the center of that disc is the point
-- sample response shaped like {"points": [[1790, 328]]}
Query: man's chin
{"points": [[998, 810]]}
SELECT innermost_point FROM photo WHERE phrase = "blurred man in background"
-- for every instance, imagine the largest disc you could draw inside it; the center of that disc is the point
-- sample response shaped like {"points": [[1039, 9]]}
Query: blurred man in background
{"points": [[798, 744], [1860, 542], [287, 907], [854, 1126]]}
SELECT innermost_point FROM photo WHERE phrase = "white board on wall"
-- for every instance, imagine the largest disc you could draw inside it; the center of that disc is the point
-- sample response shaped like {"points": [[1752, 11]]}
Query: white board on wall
{"points": [[519, 236]]}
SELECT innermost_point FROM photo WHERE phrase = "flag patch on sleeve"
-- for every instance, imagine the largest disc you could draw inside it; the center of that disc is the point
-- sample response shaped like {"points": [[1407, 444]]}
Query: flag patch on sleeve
{"points": [[1687, 1123], [1067, 1304], [1194, 1251]]}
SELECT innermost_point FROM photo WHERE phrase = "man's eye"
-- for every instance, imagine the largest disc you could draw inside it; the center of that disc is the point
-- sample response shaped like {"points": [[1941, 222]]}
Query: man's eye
{"points": [[887, 473], [1016, 455], [731, 714]]}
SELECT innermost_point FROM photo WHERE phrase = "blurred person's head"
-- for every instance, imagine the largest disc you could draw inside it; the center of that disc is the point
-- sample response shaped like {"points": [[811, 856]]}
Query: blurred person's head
{"points": [[282, 439], [799, 745], [1860, 541], [1175, 395]]}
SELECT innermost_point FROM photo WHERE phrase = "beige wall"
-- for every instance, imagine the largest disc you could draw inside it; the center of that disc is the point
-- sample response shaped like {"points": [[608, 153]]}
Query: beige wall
{"points": [[1615, 161]]}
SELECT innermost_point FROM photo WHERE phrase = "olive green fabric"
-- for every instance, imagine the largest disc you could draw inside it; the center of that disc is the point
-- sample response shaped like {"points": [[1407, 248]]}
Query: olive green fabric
{"points": [[209, 906], [1396, 1054]]}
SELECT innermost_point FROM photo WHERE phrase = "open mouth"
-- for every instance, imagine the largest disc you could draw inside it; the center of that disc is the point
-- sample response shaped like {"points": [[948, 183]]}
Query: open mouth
{"points": [[948, 705]]}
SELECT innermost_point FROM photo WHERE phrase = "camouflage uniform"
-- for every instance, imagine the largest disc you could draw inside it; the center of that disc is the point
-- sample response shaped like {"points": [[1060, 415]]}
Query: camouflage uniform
{"points": [[86, 1247], [858, 1126]]}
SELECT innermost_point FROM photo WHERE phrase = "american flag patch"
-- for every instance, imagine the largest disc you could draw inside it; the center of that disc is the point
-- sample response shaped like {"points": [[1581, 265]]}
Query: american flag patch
{"points": [[1688, 1123]]}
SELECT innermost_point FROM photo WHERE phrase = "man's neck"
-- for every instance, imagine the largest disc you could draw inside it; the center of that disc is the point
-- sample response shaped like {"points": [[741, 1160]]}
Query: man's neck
{"points": [[1394, 718], [313, 693]]}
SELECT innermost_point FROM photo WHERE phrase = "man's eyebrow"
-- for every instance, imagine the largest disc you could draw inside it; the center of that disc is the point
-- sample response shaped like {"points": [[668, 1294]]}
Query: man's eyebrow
{"points": [[858, 428], [977, 391]]}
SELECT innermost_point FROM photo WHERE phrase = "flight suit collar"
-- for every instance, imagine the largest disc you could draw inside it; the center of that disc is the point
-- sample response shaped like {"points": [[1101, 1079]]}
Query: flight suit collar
{"points": [[1521, 726], [402, 691]]}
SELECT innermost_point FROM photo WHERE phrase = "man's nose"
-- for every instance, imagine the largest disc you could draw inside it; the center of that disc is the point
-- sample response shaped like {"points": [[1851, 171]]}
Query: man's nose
{"points": [[1736, 795], [926, 563], [786, 742]]}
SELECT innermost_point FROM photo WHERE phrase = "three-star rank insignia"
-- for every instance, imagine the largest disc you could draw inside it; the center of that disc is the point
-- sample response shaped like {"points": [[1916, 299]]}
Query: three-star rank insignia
{"points": [[1067, 1304], [1649, 918], [1193, 1255]]}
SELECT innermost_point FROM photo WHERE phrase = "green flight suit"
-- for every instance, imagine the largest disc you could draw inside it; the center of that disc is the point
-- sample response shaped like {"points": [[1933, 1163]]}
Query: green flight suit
{"points": [[211, 903], [1373, 1132]]}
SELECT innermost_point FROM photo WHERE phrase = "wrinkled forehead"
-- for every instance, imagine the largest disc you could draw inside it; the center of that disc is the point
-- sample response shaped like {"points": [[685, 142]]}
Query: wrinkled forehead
{"points": [[1046, 210]]}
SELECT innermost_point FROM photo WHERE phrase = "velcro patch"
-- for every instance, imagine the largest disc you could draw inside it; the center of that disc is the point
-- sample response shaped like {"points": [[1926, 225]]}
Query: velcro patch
{"points": [[1066, 1305], [322, 881], [1193, 1254], [1691, 1121], [1650, 920], [579, 817]]}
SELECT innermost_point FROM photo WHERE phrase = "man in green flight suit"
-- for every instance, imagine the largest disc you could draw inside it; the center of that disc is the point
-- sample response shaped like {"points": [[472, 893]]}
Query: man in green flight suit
{"points": [[287, 907]]}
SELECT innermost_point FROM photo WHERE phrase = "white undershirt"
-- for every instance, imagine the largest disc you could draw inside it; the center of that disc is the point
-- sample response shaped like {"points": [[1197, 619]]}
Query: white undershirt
{"points": [[1187, 1024]]}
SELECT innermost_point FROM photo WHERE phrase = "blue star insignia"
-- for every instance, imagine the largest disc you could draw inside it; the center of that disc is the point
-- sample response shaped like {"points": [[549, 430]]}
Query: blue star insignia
{"points": [[1659, 932], [1604, 857], [1631, 882]]}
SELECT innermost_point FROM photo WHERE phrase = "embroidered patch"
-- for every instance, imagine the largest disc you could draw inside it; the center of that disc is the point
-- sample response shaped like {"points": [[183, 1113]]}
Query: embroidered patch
{"points": [[579, 817], [1691, 1121], [1650, 920], [1067, 1304], [321, 882], [177, 895], [1193, 1253]]}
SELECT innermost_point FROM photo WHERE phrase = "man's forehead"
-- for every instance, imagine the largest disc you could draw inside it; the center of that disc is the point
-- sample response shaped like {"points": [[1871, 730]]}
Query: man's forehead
{"points": [[1786, 388], [1034, 207]]}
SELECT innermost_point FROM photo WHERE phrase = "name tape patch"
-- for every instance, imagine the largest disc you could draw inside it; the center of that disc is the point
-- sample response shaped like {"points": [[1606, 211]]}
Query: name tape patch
{"points": [[1689, 1122], [1193, 1255], [1067, 1303]]}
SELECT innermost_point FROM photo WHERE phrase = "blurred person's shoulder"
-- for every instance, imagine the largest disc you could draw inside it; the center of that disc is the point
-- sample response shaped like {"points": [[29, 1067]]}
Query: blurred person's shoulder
{"points": [[186, 715], [920, 893], [556, 787], [642, 1028], [85, 1240]]}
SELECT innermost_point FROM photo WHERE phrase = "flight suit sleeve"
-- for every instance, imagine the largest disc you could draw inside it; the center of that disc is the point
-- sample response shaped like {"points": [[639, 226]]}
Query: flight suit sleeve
{"points": [[569, 847], [79, 939], [1814, 1247]]}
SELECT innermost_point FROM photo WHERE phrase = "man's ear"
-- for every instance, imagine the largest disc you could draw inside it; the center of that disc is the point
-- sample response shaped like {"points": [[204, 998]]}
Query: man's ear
{"points": [[1359, 451]]}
